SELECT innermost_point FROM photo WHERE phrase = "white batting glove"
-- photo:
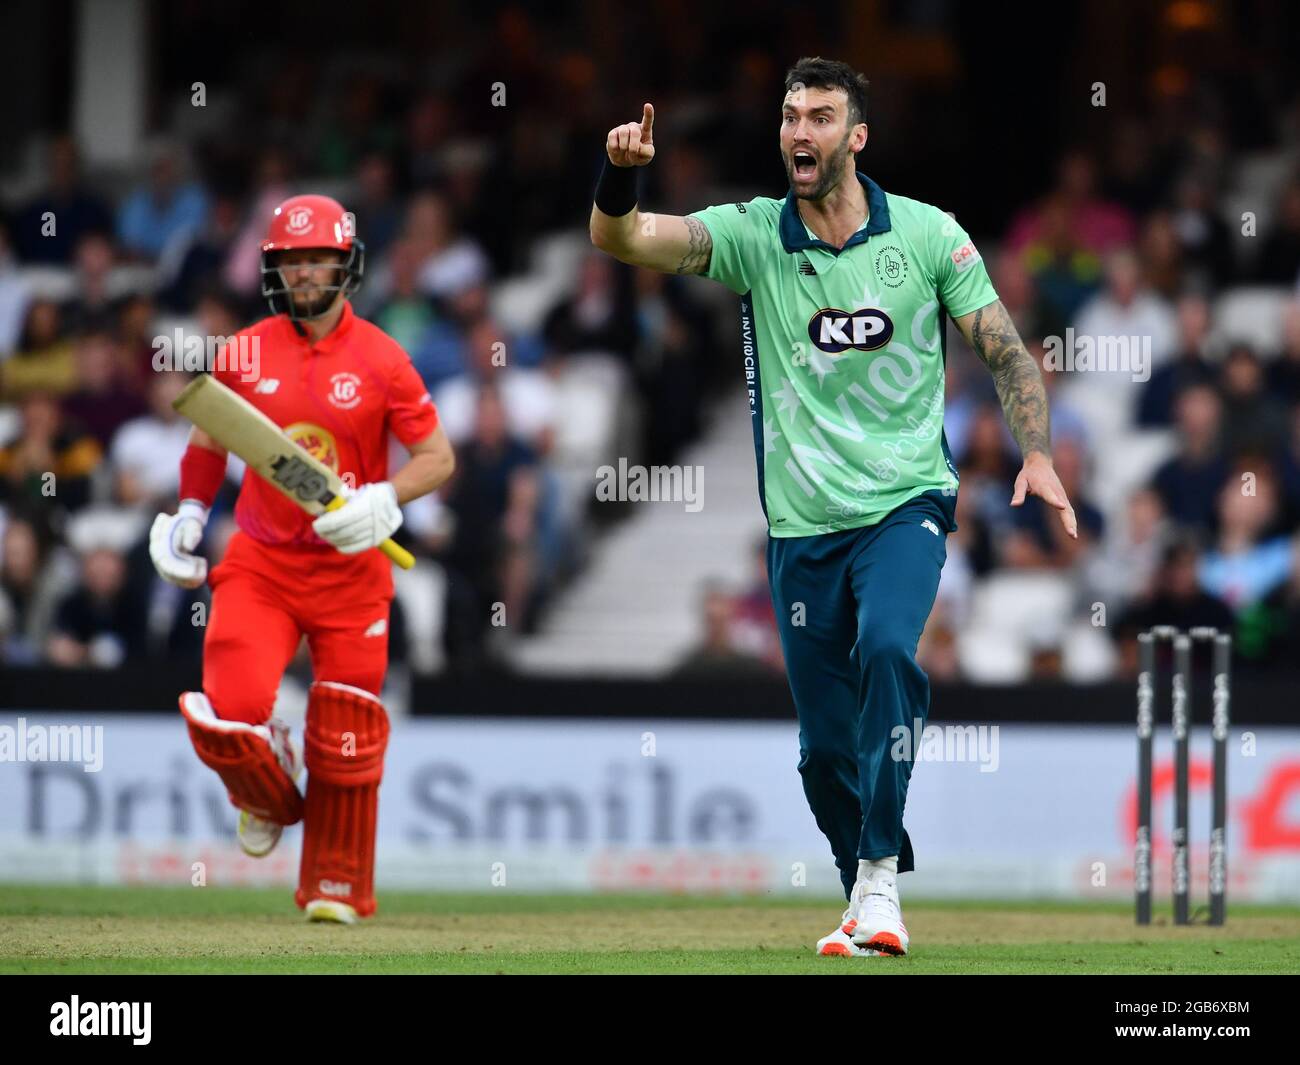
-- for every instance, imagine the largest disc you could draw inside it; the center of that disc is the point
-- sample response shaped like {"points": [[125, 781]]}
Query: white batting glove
{"points": [[369, 517], [172, 541]]}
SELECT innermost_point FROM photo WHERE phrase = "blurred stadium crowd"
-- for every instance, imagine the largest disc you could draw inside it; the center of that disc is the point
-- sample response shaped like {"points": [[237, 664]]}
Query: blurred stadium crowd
{"points": [[546, 360]]}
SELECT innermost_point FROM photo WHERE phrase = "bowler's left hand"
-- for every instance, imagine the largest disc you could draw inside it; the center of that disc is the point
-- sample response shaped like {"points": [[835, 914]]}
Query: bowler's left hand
{"points": [[1037, 477]]}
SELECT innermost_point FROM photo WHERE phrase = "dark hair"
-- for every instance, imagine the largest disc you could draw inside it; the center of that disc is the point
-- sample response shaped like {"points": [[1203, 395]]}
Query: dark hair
{"points": [[814, 72]]}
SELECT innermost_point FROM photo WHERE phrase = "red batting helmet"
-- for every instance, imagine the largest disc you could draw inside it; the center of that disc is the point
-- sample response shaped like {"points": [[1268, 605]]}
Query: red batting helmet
{"points": [[310, 222]]}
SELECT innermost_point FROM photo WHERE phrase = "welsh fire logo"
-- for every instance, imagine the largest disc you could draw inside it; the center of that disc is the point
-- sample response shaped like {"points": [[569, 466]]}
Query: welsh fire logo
{"points": [[315, 440]]}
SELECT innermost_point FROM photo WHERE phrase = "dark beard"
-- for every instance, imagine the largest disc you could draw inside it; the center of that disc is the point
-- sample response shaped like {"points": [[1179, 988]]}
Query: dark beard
{"points": [[315, 308], [831, 170]]}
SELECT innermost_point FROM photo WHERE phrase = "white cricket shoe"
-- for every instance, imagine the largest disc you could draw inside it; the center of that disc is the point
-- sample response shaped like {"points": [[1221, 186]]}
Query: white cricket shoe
{"points": [[331, 910], [879, 920], [257, 836], [840, 942]]}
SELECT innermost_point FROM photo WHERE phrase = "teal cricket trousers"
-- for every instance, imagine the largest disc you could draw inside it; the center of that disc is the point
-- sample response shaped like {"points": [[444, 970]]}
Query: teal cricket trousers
{"points": [[851, 607]]}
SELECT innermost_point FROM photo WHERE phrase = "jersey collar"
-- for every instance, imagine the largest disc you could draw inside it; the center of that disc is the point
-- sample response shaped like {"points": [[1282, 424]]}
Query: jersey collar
{"points": [[794, 234]]}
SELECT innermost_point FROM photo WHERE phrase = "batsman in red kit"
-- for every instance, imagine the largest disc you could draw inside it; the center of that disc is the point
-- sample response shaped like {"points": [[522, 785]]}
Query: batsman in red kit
{"points": [[338, 386]]}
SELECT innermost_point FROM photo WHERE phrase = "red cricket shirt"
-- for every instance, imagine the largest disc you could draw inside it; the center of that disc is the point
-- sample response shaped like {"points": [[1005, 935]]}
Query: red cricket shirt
{"points": [[338, 398]]}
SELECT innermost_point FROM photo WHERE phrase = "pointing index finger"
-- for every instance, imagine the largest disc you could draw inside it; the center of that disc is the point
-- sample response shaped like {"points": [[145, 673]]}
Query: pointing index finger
{"points": [[647, 123]]}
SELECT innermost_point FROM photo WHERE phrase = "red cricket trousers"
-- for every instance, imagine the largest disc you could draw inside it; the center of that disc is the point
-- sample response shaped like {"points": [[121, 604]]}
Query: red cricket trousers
{"points": [[265, 598]]}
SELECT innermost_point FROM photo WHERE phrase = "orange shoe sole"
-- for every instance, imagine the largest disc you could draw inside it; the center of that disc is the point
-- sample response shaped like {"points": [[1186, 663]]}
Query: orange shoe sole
{"points": [[887, 943]]}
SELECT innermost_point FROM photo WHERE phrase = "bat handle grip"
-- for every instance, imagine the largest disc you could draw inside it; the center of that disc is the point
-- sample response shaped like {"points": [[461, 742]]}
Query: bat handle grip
{"points": [[398, 554], [395, 551]]}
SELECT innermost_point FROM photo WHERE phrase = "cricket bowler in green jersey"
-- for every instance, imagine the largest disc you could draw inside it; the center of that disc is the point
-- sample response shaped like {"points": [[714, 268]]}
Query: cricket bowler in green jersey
{"points": [[845, 290]]}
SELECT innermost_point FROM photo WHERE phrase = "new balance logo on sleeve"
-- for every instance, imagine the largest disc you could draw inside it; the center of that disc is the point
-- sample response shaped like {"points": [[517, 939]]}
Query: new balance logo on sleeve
{"points": [[928, 524]]}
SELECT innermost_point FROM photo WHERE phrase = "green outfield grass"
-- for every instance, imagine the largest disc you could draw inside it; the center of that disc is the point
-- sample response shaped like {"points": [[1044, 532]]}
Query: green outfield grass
{"points": [[232, 930]]}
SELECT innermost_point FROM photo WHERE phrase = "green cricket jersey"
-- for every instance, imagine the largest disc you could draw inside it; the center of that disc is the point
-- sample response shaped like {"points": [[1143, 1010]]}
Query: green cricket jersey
{"points": [[844, 352]]}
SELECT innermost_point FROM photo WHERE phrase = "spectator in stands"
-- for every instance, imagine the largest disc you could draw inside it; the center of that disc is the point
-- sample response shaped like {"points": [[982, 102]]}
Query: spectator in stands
{"points": [[167, 626], [27, 587], [195, 266], [1126, 307], [1189, 483], [967, 387], [1253, 419], [449, 262], [146, 452], [1046, 658], [716, 655], [1135, 174], [167, 207], [753, 618], [1188, 366], [137, 333], [358, 126], [407, 314], [378, 211], [1067, 421], [673, 359], [243, 268], [104, 400], [429, 128], [1062, 238], [1177, 598], [936, 651], [95, 625], [220, 313], [45, 360], [51, 462], [494, 499], [50, 226], [1206, 240], [1284, 370], [1019, 295], [95, 260], [1126, 570], [1163, 261], [1249, 560], [14, 295], [1279, 256], [1273, 640], [599, 317], [528, 396], [1288, 468], [988, 467]]}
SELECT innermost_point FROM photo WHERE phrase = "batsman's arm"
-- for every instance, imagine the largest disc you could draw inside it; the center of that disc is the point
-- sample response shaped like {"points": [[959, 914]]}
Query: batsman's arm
{"points": [[431, 463], [664, 242], [1019, 383], [201, 439]]}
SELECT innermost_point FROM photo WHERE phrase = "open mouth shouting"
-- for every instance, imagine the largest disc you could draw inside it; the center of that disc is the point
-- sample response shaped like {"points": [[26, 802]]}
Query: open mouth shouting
{"points": [[805, 164]]}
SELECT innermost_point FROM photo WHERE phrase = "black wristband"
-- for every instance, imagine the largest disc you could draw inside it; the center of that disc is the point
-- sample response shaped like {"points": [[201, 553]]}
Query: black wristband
{"points": [[616, 191]]}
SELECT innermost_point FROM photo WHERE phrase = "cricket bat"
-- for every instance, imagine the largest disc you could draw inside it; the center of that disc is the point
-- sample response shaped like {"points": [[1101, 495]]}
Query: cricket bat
{"points": [[238, 426]]}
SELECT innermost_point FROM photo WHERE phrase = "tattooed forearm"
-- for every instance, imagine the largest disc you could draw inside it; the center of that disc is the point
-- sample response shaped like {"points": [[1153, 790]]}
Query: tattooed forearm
{"points": [[1015, 374], [696, 258]]}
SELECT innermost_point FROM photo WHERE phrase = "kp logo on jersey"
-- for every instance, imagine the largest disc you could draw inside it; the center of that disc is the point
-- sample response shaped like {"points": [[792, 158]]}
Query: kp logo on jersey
{"points": [[834, 331], [345, 390]]}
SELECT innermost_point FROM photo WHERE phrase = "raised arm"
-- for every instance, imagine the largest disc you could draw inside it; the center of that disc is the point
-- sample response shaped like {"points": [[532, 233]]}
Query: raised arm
{"points": [[669, 243], [1019, 385]]}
